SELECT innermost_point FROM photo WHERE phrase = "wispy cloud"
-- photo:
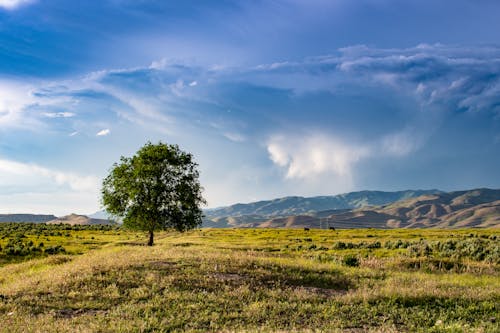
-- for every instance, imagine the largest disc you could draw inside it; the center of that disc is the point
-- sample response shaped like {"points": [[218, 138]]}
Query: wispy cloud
{"points": [[14, 174], [103, 132], [320, 117], [235, 137], [459, 78], [13, 4], [58, 114], [163, 96]]}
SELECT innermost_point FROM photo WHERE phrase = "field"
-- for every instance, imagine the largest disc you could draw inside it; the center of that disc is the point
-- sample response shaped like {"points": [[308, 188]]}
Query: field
{"points": [[102, 279]]}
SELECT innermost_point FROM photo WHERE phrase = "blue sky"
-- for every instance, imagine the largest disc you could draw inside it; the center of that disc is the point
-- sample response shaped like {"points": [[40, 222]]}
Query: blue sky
{"points": [[273, 98]]}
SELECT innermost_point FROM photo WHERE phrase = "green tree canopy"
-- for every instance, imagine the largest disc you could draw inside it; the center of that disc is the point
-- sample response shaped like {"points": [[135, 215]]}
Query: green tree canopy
{"points": [[156, 189]]}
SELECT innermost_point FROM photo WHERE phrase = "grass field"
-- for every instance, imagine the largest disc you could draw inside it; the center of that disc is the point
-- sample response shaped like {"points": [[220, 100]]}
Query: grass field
{"points": [[251, 280]]}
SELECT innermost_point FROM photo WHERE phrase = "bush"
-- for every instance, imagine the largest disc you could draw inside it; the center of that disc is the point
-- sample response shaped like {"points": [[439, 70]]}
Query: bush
{"points": [[55, 249], [350, 260]]}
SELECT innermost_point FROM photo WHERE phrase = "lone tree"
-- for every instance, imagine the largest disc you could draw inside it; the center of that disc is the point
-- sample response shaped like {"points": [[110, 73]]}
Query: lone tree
{"points": [[156, 189]]}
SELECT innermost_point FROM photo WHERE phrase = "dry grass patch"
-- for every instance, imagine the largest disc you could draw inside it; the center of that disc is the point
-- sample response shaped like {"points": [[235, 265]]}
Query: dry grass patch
{"points": [[220, 281]]}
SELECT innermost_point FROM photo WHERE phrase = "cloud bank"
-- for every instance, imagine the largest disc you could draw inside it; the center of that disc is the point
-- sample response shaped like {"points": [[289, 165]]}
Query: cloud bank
{"points": [[341, 116], [45, 190]]}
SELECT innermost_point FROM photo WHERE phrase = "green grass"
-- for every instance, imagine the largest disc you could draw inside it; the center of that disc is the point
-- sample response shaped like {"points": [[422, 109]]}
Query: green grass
{"points": [[37, 240], [255, 280]]}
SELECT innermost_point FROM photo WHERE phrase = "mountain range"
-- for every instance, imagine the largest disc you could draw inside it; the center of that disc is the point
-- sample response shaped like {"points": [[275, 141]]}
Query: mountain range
{"points": [[366, 209], [33, 218], [72, 219]]}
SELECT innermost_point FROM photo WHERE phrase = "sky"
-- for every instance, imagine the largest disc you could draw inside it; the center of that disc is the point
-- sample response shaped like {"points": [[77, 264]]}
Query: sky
{"points": [[273, 98]]}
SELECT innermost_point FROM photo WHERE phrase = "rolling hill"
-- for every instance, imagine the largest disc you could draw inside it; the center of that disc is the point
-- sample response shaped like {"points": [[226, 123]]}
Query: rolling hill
{"points": [[30, 218], [300, 205], [75, 219], [434, 209]]}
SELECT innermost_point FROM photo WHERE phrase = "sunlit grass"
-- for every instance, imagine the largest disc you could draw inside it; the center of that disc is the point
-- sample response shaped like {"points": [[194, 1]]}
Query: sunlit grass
{"points": [[250, 280]]}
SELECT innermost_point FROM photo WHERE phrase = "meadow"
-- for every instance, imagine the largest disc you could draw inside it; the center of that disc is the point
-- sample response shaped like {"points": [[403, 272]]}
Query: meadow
{"points": [[103, 279]]}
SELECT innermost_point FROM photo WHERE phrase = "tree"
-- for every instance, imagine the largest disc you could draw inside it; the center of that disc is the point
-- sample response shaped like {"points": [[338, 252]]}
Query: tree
{"points": [[156, 189]]}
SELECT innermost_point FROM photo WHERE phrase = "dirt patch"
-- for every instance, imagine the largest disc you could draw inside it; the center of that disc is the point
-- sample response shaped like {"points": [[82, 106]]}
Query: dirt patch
{"points": [[184, 244], [72, 313], [227, 276], [161, 264], [131, 243], [324, 292]]}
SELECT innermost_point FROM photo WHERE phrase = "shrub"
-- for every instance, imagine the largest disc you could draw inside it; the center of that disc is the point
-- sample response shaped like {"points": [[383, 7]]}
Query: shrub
{"points": [[350, 260]]}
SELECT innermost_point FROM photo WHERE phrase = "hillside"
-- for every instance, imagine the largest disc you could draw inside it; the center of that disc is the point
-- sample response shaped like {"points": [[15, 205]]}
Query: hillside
{"points": [[474, 208], [75, 219], [461, 209], [31, 218], [300, 205]]}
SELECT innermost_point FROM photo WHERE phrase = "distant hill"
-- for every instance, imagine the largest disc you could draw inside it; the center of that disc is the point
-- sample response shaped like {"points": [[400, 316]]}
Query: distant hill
{"points": [[30, 218], [300, 205], [473, 208], [75, 219], [102, 214]]}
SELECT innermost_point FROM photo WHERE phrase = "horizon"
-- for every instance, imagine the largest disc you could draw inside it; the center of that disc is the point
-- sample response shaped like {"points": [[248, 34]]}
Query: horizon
{"points": [[273, 99], [273, 199]]}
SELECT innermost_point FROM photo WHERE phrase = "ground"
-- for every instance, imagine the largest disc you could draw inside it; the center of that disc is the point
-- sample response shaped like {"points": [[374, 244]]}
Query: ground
{"points": [[256, 280]]}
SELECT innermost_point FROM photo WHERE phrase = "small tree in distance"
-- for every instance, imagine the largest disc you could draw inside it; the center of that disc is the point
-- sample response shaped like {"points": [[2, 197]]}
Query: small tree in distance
{"points": [[156, 189]]}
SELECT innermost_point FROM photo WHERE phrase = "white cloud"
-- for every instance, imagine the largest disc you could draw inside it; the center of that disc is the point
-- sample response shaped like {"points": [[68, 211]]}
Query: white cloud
{"points": [[13, 4], [14, 98], [278, 154], [103, 132], [449, 76], [235, 137], [13, 174], [312, 155], [58, 114]]}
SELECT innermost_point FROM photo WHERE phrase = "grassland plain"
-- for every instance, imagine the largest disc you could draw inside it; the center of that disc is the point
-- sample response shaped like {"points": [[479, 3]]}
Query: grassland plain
{"points": [[253, 280]]}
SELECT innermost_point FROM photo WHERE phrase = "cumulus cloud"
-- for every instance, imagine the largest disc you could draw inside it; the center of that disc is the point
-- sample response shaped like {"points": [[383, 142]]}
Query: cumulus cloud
{"points": [[391, 100], [103, 132], [308, 156], [13, 4], [313, 154]]}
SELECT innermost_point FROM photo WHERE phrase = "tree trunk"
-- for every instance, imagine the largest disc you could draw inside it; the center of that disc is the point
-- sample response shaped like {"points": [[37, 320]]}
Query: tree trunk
{"points": [[150, 242]]}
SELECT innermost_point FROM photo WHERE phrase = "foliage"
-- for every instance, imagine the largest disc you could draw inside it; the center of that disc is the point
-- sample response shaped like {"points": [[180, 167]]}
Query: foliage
{"points": [[23, 241], [157, 188], [350, 260]]}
